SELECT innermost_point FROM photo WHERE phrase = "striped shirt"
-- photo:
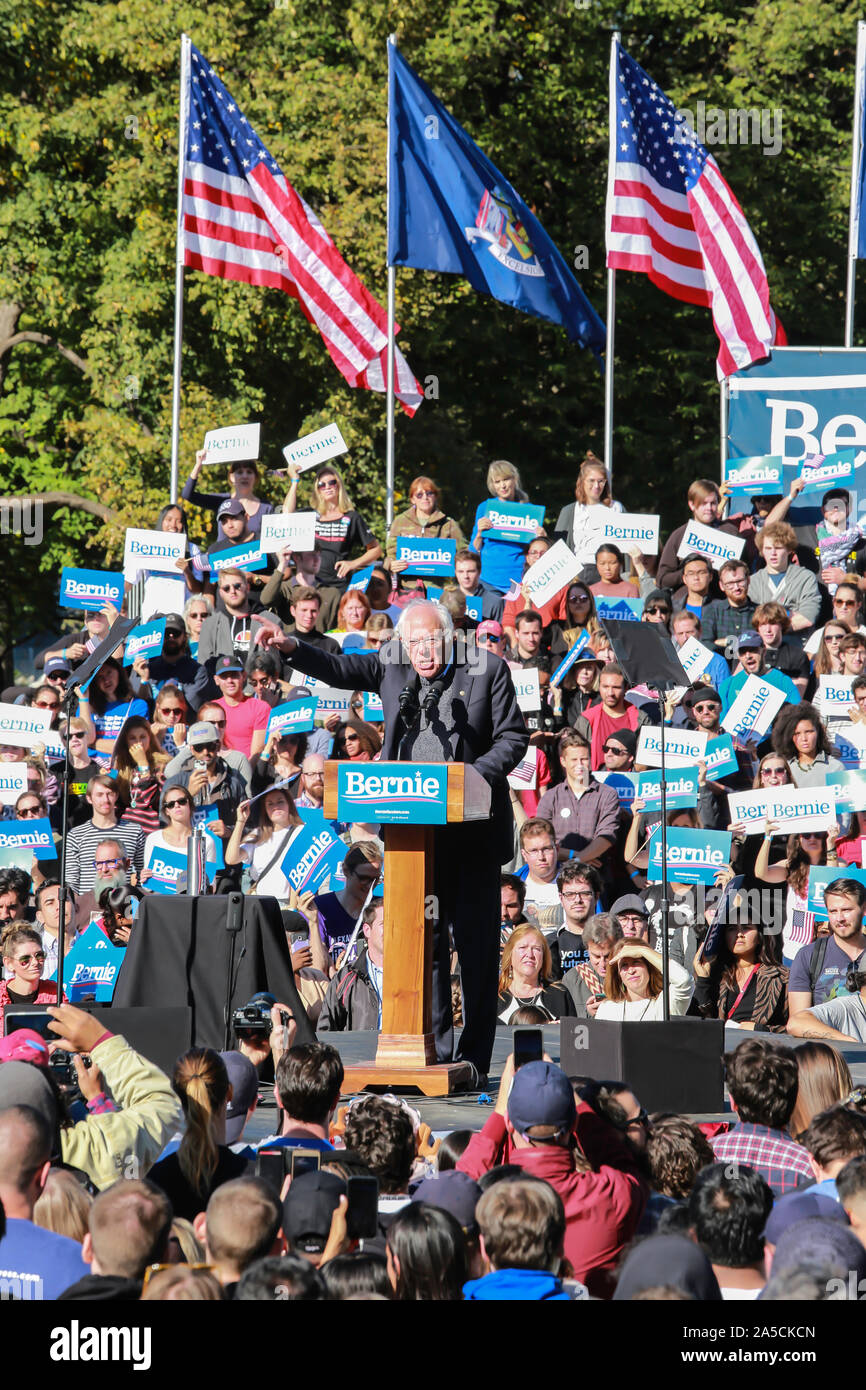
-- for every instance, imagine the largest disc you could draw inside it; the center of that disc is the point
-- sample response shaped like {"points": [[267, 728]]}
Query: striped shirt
{"points": [[81, 846]]}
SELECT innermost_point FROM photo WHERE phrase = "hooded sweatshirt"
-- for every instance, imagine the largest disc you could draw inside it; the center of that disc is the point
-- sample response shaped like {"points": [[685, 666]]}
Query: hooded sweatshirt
{"points": [[526, 1285]]}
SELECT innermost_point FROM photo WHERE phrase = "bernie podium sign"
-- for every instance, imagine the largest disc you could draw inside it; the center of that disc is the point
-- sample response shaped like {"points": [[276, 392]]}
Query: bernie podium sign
{"points": [[393, 793]]}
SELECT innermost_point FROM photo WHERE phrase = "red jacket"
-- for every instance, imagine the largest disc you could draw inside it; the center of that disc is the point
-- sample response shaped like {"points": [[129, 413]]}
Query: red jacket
{"points": [[46, 994], [602, 1208]]}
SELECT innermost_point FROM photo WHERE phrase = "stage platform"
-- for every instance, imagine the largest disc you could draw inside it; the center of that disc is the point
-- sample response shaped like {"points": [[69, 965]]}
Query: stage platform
{"points": [[470, 1110]]}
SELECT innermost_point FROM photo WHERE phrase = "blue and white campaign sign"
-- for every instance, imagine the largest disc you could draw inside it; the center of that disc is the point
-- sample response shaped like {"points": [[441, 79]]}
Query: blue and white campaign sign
{"points": [[551, 572], [426, 557], [821, 472], [819, 877], [203, 815], [799, 401], [328, 700], [718, 546], [151, 550], [23, 725], [693, 856], [512, 521], [239, 557], [625, 530], [233, 442], [92, 966], [315, 448], [295, 530], [474, 603], [90, 590], [166, 868], [681, 786], [13, 782], [527, 688], [850, 789], [849, 745], [754, 709], [720, 758], [393, 793], [570, 658], [792, 808], [626, 610], [313, 855], [372, 710], [33, 835], [293, 717], [362, 578], [623, 783], [758, 476], [146, 640], [683, 747], [834, 696], [694, 657]]}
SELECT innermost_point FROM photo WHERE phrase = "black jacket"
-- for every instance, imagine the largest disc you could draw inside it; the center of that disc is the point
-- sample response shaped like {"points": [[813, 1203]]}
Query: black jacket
{"points": [[488, 729], [351, 1003]]}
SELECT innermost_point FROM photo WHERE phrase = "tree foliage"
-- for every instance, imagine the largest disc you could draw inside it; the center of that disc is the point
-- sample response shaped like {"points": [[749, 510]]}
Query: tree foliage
{"points": [[88, 149]]}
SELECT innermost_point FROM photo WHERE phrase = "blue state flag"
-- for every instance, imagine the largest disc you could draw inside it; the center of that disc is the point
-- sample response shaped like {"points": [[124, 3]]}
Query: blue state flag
{"points": [[450, 209]]}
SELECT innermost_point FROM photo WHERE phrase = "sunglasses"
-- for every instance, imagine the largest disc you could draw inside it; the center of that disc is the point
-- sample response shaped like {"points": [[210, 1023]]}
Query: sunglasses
{"points": [[205, 747], [613, 748], [578, 598], [30, 810], [657, 608], [217, 723], [707, 704], [773, 771], [73, 734], [37, 956], [201, 615], [326, 483], [230, 588], [45, 704], [175, 710], [173, 805]]}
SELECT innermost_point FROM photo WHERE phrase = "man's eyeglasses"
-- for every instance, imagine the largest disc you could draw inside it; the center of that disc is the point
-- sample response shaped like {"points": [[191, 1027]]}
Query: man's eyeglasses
{"points": [[74, 734], [205, 747], [541, 849], [37, 956], [578, 896], [231, 588], [641, 1118], [30, 810], [107, 863], [613, 748], [706, 704]]}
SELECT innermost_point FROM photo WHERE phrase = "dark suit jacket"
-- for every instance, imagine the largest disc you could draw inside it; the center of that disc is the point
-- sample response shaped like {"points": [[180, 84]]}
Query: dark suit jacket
{"points": [[488, 730]]}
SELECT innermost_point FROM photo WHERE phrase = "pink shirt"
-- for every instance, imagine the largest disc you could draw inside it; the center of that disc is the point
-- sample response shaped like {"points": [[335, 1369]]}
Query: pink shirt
{"points": [[242, 721]]}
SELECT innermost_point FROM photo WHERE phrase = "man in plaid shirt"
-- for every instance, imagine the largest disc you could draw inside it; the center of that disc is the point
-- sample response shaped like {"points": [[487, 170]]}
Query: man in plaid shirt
{"points": [[763, 1082], [730, 616]]}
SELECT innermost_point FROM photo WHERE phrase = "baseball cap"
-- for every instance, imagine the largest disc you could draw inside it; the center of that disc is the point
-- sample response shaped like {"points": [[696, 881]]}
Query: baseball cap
{"points": [[541, 1095], [630, 902], [310, 1203], [749, 642], [231, 507], [23, 1084], [454, 1192], [57, 663], [203, 733], [490, 627], [24, 1045], [245, 1089], [174, 623], [226, 664], [800, 1206]]}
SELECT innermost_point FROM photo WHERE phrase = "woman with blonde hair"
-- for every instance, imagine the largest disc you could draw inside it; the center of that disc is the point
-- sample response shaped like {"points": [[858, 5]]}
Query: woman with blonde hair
{"points": [[422, 518], [526, 978], [823, 1080], [204, 1161], [577, 524], [501, 561], [633, 984], [340, 529], [63, 1206], [23, 961]]}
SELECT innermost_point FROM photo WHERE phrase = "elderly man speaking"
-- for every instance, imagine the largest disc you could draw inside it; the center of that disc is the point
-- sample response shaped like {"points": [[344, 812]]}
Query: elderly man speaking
{"points": [[446, 701]]}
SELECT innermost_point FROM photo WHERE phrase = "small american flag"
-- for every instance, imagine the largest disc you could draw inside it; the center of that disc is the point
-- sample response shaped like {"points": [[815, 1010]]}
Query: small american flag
{"points": [[243, 220], [671, 215]]}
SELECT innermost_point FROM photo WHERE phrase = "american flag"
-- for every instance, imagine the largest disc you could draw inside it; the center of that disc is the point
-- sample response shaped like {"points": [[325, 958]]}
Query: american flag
{"points": [[243, 220], [671, 215]]}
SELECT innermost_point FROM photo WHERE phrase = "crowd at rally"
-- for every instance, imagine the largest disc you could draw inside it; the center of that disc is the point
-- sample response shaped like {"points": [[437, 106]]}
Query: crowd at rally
{"points": [[143, 1186]]}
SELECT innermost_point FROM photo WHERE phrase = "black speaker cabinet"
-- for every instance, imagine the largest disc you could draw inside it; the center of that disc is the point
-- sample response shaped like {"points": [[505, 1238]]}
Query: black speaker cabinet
{"points": [[674, 1066]]}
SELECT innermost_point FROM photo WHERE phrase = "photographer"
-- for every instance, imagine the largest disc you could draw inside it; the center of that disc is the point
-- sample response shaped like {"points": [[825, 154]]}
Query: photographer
{"points": [[120, 1143]]}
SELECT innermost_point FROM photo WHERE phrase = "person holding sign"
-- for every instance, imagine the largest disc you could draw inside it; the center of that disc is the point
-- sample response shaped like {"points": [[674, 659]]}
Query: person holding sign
{"points": [[264, 848], [577, 524], [243, 480], [808, 849], [340, 530], [502, 562], [704, 500], [422, 518], [176, 808]]}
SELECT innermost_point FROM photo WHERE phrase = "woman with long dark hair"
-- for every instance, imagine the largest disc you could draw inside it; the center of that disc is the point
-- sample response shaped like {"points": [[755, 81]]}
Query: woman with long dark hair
{"points": [[743, 984], [243, 480], [204, 1161], [809, 849], [426, 1253], [105, 706]]}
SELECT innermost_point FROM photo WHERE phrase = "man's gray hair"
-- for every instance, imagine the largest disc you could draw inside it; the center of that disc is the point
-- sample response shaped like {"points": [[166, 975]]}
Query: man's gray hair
{"points": [[601, 928], [418, 605]]}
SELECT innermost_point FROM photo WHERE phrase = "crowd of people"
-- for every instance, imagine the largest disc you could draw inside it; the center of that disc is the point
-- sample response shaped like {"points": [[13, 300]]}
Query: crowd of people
{"points": [[570, 1190]]}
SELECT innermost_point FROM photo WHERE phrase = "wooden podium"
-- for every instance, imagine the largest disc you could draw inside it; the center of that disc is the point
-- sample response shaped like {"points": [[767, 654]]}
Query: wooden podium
{"points": [[406, 1055]]}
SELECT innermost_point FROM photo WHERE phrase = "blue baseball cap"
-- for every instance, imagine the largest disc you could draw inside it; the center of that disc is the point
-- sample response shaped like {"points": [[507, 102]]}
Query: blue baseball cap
{"points": [[541, 1095]]}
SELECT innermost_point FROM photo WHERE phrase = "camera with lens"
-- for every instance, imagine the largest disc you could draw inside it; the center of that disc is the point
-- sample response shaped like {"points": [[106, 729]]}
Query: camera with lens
{"points": [[253, 1020], [62, 1068]]}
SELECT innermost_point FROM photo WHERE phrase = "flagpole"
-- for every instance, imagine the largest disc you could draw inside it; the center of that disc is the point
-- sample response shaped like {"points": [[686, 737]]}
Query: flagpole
{"points": [[389, 381], [611, 273], [856, 157], [723, 425], [183, 119]]}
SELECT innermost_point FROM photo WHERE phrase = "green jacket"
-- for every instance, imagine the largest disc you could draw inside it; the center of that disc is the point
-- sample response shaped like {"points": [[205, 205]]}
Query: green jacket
{"points": [[126, 1142], [439, 527]]}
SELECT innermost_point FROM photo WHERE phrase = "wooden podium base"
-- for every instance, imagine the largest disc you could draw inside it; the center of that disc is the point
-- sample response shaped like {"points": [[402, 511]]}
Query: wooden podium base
{"points": [[406, 1060]]}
